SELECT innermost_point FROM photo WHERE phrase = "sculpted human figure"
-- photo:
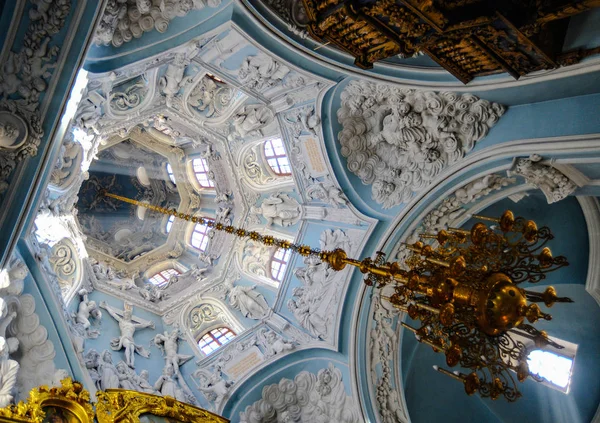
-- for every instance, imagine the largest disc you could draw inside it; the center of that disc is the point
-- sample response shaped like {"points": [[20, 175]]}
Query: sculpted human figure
{"points": [[168, 343], [6, 317], [273, 343], [92, 363], [143, 382], [109, 376], [128, 325], [8, 375], [86, 310], [167, 385], [215, 388], [252, 119], [279, 209], [126, 376], [250, 302]]}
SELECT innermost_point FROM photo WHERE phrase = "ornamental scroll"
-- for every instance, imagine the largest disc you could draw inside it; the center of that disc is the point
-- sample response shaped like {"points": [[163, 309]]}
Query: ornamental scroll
{"points": [[70, 403]]}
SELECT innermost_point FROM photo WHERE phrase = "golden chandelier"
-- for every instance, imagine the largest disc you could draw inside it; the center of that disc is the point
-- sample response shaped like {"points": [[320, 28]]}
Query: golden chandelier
{"points": [[463, 286]]}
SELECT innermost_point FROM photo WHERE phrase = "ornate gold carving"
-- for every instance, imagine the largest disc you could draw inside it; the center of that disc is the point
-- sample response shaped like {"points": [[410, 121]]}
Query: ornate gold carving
{"points": [[467, 37], [119, 405], [114, 405], [71, 396]]}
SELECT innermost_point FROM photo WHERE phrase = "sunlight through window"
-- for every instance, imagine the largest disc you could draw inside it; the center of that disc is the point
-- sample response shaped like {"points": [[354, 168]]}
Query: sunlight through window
{"points": [[201, 170], [162, 277], [215, 339], [170, 173], [276, 157], [555, 368], [279, 264]]}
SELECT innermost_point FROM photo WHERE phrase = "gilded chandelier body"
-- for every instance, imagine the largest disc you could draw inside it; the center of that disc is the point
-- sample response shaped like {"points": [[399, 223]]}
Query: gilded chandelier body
{"points": [[463, 287]]}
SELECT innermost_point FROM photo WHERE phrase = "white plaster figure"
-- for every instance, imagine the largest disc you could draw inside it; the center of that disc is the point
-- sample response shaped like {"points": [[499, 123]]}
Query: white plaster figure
{"points": [[274, 344], [109, 376], [279, 209], [168, 343], [127, 324], [215, 388], [8, 375], [87, 309], [249, 301]]}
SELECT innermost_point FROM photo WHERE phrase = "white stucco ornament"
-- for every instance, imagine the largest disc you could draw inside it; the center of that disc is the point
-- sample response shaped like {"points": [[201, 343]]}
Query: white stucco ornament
{"points": [[8, 375], [398, 140], [279, 209], [168, 343], [13, 131], [123, 21], [552, 182], [307, 398], [248, 301]]}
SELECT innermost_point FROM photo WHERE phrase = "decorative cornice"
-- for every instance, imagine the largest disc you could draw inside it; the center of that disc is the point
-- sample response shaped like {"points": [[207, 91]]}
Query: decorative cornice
{"points": [[591, 211]]}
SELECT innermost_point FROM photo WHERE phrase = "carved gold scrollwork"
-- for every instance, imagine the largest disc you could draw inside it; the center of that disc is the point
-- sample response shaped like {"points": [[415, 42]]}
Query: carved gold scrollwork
{"points": [[119, 405], [71, 402]]}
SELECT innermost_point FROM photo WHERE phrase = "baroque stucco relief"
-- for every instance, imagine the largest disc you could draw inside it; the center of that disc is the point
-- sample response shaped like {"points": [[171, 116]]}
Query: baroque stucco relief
{"points": [[398, 140]]}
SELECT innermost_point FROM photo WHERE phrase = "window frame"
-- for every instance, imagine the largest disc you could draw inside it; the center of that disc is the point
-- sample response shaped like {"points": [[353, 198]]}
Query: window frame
{"points": [[569, 352], [276, 157], [215, 340], [204, 171], [169, 224], [284, 262], [205, 235], [169, 271], [171, 173]]}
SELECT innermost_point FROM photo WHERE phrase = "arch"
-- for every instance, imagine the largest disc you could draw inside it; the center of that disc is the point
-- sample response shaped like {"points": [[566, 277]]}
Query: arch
{"points": [[205, 315], [493, 159], [163, 265], [257, 172]]}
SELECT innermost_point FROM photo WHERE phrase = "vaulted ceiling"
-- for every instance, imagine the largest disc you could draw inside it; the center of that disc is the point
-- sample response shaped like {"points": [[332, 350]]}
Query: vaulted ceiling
{"points": [[376, 157]]}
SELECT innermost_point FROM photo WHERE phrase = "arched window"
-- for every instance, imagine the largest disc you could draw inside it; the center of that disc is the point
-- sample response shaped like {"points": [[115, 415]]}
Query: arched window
{"points": [[276, 157], [215, 339], [200, 167], [170, 173], [279, 264], [199, 238], [169, 223], [162, 277]]}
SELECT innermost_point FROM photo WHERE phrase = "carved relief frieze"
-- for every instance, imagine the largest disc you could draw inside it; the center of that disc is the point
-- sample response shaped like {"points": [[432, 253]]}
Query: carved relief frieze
{"points": [[309, 397], [315, 303], [398, 140], [124, 21], [552, 182], [24, 77]]}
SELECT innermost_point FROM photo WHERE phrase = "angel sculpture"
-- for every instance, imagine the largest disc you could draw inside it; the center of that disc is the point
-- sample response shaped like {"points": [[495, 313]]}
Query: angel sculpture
{"points": [[153, 293], [86, 310], [273, 343], [214, 387], [168, 343]]}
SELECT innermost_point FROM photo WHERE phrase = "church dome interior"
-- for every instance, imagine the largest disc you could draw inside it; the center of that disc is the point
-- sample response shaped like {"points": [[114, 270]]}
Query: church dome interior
{"points": [[265, 211]]}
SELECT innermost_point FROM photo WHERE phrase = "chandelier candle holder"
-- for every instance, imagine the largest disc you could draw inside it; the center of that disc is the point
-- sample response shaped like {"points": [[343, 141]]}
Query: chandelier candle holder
{"points": [[463, 287]]}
